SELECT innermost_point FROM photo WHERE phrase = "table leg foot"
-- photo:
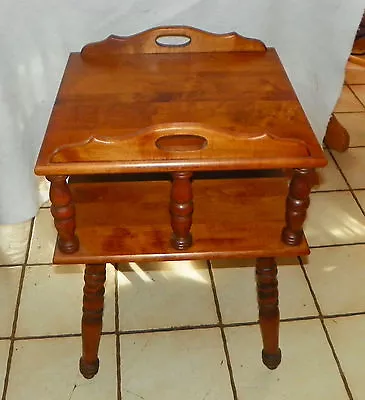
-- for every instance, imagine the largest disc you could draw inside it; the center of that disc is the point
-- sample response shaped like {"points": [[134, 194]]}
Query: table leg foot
{"points": [[87, 370], [271, 361]]}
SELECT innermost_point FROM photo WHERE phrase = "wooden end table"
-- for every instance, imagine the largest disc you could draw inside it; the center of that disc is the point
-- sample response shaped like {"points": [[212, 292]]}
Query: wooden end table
{"points": [[172, 151]]}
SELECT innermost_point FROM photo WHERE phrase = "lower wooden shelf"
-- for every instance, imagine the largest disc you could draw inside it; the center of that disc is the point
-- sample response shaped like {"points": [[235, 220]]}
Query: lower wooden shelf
{"points": [[130, 221]]}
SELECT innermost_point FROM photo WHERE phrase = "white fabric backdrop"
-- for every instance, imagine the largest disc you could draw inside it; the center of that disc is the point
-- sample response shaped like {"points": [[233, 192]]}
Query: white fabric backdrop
{"points": [[313, 38]]}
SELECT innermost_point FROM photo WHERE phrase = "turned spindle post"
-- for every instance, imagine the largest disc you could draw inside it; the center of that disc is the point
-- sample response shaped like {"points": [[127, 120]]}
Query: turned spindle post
{"points": [[63, 212], [297, 203], [181, 210], [92, 318], [269, 317]]}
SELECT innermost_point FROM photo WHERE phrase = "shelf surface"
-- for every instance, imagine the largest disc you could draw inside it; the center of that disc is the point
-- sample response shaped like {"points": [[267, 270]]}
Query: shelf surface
{"points": [[107, 118], [130, 221]]}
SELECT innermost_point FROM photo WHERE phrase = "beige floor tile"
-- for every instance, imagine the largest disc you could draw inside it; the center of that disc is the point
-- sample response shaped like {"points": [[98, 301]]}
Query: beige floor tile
{"points": [[48, 369], [355, 125], [355, 74], [4, 352], [348, 102], [337, 275], [352, 163], [360, 194], [347, 335], [330, 177], [181, 296], [334, 218], [13, 242], [9, 285], [307, 371], [175, 365], [236, 290], [359, 91], [54, 293], [43, 239]]}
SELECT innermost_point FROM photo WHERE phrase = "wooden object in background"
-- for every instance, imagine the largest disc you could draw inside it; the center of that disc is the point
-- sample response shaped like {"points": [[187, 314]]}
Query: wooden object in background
{"points": [[357, 60], [336, 138], [215, 112]]}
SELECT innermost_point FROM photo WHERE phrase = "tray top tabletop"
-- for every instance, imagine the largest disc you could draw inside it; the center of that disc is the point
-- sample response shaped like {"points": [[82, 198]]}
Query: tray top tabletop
{"points": [[186, 110]]}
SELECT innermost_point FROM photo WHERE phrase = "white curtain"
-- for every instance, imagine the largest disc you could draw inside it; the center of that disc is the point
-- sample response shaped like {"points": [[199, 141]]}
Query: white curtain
{"points": [[313, 38]]}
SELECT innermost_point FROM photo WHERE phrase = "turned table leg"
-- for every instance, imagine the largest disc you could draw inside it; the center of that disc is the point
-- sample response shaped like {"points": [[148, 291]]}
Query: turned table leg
{"points": [[267, 295], [63, 212], [297, 203], [181, 210], [92, 318]]}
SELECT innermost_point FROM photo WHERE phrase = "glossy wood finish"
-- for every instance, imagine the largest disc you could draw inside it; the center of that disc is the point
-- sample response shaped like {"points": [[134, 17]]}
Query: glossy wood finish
{"points": [[130, 221], [147, 43], [63, 212], [181, 210], [214, 103], [107, 117], [220, 150], [297, 204], [92, 318], [268, 301]]}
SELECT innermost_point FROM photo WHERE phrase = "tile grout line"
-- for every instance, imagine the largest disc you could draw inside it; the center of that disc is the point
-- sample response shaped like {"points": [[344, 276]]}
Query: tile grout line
{"points": [[42, 264], [224, 339], [357, 97], [57, 336], [168, 329], [185, 328], [325, 246], [344, 315], [16, 312], [283, 320], [324, 327], [117, 338], [347, 183], [358, 203], [329, 191]]}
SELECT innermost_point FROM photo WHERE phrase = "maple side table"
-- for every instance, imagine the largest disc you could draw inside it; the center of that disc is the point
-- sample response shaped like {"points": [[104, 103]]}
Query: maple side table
{"points": [[172, 151]]}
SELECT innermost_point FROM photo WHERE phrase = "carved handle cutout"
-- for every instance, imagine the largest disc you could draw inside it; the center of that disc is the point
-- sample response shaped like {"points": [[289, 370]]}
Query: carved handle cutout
{"points": [[169, 39], [173, 41], [181, 143], [149, 144]]}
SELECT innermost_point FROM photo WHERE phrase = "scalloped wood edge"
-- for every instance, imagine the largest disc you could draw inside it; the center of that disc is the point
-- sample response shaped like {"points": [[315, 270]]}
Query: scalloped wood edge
{"points": [[114, 148], [145, 43]]}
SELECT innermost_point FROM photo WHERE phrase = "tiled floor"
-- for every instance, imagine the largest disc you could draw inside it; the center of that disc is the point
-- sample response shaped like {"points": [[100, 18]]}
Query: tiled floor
{"points": [[190, 330]]}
